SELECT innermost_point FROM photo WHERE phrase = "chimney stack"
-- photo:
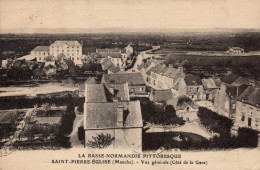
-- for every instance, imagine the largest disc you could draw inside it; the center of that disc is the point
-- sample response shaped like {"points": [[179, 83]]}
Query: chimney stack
{"points": [[119, 116]]}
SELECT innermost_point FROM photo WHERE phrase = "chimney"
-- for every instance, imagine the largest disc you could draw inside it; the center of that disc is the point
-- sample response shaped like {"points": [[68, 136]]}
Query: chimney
{"points": [[112, 90], [180, 69], [119, 116]]}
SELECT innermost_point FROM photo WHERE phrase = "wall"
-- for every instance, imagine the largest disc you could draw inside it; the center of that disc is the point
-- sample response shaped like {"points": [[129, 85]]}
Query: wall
{"points": [[248, 111], [137, 88]]}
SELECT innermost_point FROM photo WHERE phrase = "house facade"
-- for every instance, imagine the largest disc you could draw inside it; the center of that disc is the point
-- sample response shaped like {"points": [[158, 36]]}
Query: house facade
{"points": [[70, 49], [40, 52], [210, 88], [248, 109], [192, 87]]}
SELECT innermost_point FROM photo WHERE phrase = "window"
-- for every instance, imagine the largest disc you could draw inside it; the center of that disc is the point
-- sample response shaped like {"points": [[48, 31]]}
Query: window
{"points": [[257, 122], [40, 58], [188, 109], [243, 117], [78, 58], [249, 121], [141, 88], [131, 90], [78, 50], [43, 53]]}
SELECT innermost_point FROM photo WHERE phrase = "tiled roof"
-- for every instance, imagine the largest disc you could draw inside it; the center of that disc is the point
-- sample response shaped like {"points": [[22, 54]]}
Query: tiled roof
{"points": [[121, 91], [192, 80], [161, 95], [240, 81], [229, 79], [95, 93], [251, 96], [130, 78], [42, 48], [92, 67], [155, 69], [67, 43], [104, 115]]}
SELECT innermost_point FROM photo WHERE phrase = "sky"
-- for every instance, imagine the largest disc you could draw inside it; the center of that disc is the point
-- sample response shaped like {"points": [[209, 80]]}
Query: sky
{"points": [[19, 15]]}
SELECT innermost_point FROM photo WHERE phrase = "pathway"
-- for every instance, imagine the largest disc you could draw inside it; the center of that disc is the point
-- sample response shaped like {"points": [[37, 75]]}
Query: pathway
{"points": [[74, 134]]}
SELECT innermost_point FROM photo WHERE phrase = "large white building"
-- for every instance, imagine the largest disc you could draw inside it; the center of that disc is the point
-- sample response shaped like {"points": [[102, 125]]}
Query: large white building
{"points": [[71, 50]]}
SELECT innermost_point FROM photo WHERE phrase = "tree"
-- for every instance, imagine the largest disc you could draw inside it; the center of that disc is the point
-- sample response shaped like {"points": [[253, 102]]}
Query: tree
{"points": [[100, 141], [46, 107]]}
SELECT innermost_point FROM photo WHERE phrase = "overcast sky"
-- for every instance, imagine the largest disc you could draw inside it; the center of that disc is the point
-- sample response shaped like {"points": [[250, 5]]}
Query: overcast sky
{"points": [[132, 14]]}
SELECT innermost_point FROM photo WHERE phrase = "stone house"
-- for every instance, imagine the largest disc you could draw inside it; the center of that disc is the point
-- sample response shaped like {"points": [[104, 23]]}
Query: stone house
{"points": [[232, 86], [119, 117], [248, 109], [210, 88], [191, 86]]}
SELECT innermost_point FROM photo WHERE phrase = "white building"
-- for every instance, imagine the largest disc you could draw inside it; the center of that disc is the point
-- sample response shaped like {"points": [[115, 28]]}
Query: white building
{"points": [[71, 50], [40, 52]]}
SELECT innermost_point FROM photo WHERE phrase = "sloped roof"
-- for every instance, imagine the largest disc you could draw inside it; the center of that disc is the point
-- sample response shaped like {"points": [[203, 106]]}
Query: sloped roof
{"points": [[155, 69], [209, 84], [121, 91], [234, 91], [41, 48], [240, 81], [90, 80], [104, 115], [251, 96], [114, 69], [95, 93], [192, 80], [130, 78], [161, 95], [229, 79], [67, 43], [106, 64], [217, 82]]}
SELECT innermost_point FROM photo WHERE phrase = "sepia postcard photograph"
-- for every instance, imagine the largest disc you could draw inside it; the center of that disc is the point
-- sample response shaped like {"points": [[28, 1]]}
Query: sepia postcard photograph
{"points": [[129, 84]]}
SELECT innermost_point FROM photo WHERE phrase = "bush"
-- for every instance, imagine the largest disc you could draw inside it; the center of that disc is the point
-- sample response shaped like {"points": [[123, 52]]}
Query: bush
{"points": [[216, 123], [247, 137], [100, 141]]}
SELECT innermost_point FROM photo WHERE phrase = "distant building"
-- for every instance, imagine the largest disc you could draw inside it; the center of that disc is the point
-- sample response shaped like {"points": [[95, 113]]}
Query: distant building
{"points": [[119, 57], [135, 81], [40, 52], [248, 109], [236, 50], [70, 49]]}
